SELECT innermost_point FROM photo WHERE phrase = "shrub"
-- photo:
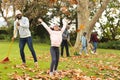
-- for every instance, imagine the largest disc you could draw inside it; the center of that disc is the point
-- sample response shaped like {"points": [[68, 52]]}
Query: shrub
{"points": [[110, 45]]}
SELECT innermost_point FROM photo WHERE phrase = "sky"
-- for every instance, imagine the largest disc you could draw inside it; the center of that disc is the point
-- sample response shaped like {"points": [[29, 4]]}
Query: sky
{"points": [[2, 22]]}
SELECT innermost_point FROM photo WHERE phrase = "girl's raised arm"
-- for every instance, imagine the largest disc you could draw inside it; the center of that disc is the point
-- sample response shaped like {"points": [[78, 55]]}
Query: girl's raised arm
{"points": [[45, 25]]}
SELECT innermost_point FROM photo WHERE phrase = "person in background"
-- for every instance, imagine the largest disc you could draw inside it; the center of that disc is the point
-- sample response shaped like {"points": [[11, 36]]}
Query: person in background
{"points": [[94, 40], [83, 43], [21, 25], [65, 39], [56, 39]]}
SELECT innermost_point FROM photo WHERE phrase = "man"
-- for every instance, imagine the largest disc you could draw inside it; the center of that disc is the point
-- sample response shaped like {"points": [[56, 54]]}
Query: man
{"points": [[94, 40], [21, 25], [65, 39]]}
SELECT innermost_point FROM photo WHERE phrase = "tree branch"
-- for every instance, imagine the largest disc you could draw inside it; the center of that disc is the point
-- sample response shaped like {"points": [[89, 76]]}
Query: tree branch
{"points": [[98, 14]]}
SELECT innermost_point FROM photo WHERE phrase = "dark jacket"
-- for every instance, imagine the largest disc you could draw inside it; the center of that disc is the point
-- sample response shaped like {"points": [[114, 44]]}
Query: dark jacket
{"points": [[93, 37]]}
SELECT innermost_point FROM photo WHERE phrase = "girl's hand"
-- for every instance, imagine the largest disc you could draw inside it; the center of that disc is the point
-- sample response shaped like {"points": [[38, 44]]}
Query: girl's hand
{"points": [[13, 38], [40, 20], [66, 21]]}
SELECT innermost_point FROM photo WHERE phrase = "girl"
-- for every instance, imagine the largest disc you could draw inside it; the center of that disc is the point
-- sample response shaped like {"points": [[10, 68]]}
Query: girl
{"points": [[56, 39]]}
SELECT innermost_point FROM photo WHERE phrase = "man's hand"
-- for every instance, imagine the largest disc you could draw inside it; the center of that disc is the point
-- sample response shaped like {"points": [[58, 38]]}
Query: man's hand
{"points": [[40, 20], [18, 24], [13, 38], [65, 21]]}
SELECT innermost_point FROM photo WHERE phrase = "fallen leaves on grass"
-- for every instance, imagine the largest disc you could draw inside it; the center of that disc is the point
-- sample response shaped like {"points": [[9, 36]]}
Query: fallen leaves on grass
{"points": [[16, 76], [73, 74], [102, 68]]}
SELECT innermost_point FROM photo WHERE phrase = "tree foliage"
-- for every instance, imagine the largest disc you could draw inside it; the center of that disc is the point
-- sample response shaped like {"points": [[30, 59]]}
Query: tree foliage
{"points": [[87, 12], [111, 28]]}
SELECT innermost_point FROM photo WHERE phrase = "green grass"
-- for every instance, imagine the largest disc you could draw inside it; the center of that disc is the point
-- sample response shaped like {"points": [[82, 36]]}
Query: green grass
{"points": [[102, 65]]}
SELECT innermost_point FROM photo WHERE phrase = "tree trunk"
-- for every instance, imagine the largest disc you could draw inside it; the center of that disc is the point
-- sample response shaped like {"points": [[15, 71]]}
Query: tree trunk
{"points": [[83, 18]]}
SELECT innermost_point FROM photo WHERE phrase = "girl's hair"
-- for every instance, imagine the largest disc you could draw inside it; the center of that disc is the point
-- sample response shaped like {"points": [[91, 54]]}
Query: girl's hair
{"points": [[51, 28], [55, 26]]}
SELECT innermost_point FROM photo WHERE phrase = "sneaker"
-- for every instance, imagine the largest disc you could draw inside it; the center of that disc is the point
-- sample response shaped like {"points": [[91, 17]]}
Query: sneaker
{"points": [[51, 74], [80, 53], [36, 64], [23, 65], [92, 52], [95, 53], [56, 72]]}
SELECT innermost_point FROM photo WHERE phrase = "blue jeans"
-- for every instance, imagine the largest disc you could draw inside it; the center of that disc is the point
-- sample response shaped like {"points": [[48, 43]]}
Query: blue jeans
{"points": [[65, 44], [55, 58], [83, 48], [94, 46], [22, 43]]}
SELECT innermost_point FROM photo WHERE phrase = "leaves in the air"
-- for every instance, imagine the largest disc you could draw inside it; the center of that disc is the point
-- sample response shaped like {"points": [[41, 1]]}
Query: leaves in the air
{"points": [[73, 1]]}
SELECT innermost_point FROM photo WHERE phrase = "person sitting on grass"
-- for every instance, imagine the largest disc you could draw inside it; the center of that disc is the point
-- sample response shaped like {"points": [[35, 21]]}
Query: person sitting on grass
{"points": [[56, 39]]}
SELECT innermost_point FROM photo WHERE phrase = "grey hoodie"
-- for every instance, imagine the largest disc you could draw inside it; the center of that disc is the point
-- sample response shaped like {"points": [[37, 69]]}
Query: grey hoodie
{"points": [[23, 28]]}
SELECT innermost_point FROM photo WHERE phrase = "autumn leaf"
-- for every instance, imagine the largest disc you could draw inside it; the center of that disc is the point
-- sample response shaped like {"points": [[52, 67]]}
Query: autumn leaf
{"points": [[73, 1], [15, 76], [64, 9], [81, 27], [53, 1]]}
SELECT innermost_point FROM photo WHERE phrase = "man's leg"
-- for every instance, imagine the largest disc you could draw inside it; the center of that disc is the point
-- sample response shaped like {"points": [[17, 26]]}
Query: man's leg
{"points": [[62, 48], [95, 47], [21, 46], [30, 45], [67, 48]]}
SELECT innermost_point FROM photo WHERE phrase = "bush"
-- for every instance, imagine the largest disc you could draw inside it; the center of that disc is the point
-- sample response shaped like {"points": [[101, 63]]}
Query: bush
{"points": [[6, 33], [5, 37], [2, 37], [110, 45], [41, 40]]}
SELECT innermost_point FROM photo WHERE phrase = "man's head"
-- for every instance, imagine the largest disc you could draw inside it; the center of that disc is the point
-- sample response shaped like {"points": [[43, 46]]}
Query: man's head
{"points": [[18, 14], [67, 27]]}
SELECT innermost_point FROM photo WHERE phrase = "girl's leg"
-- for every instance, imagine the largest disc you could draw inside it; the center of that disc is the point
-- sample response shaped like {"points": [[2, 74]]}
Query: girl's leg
{"points": [[53, 56], [67, 48], [57, 58]]}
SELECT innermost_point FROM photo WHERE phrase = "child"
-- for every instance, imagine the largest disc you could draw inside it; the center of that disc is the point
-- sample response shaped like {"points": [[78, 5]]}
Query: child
{"points": [[84, 43], [56, 39]]}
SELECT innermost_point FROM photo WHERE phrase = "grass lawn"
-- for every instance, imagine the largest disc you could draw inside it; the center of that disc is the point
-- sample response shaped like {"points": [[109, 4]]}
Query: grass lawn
{"points": [[103, 66]]}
